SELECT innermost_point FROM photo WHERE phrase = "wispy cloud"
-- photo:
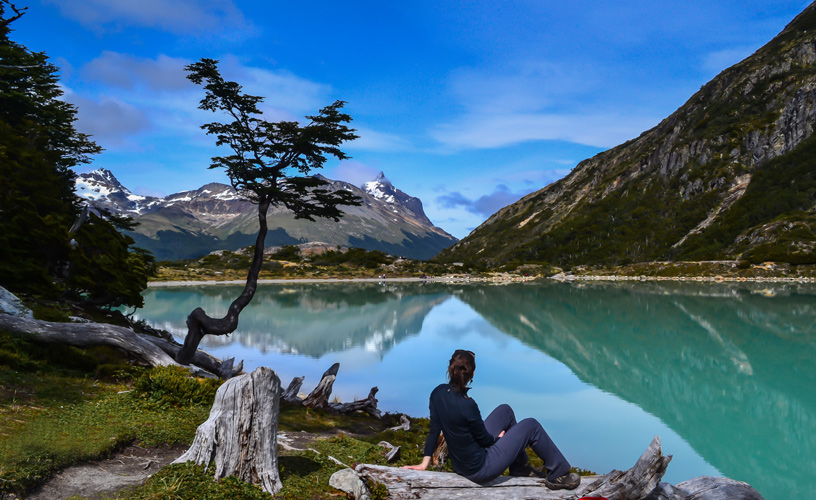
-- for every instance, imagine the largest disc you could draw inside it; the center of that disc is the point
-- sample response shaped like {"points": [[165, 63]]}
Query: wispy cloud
{"points": [[495, 130], [485, 205], [174, 16], [353, 172], [371, 140], [110, 121], [535, 101], [125, 71], [153, 95]]}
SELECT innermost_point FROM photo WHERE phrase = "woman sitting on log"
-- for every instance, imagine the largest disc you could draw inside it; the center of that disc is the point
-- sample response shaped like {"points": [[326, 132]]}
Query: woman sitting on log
{"points": [[482, 450]]}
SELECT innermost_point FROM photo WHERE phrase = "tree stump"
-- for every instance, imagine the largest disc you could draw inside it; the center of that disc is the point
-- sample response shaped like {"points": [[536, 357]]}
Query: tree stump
{"points": [[241, 431]]}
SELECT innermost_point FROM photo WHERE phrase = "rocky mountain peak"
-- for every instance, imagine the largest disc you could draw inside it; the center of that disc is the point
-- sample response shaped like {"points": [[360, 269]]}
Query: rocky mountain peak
{"points": [[381, 188], [217, 217]]}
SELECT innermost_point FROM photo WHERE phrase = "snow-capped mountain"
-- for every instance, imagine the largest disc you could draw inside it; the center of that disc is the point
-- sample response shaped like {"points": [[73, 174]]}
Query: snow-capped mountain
{"points": [[382, 189], [216, 217]]}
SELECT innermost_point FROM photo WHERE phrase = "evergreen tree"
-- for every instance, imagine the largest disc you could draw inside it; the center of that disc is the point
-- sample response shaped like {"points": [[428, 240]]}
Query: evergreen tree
{"points": [[38, 148]]}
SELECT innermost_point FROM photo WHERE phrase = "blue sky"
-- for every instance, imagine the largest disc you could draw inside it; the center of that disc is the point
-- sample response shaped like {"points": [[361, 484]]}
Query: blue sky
{"points": [[467, 105]]}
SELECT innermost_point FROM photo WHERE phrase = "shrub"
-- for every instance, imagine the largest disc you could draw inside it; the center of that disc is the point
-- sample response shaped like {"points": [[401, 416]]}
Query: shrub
{"points": [[173, 385]]}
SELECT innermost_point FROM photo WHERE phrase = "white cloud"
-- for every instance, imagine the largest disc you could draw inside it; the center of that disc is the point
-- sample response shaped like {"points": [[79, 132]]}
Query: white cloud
{"points": [[371, 140], [175, 16], [126, 71], [286, 95], [110, 121], [536, 101], [153, 93], [353, 172], [486, 130]]}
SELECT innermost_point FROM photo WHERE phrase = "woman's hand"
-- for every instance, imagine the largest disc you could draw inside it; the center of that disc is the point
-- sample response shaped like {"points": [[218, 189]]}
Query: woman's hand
{"points": [[422, 466], [500, 434]]}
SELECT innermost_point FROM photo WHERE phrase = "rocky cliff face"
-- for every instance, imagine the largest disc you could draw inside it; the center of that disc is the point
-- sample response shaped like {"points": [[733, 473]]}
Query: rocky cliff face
{"points": [[698, 185], [216, 217]]}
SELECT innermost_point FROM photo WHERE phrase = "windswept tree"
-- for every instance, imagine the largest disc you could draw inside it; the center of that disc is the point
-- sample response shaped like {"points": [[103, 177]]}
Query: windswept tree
{"points": [[270, 165]]}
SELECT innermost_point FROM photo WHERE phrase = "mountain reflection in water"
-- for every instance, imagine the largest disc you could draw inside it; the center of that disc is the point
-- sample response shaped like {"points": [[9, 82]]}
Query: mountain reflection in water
{"points": [[728, 368]]}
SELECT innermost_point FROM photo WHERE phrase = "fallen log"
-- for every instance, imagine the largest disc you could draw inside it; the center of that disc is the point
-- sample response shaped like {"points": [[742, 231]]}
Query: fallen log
{"points": [[223, 369], [145, 349], [319, 397], [641, 482], [368, 405], [87, 335], [240, 434]]}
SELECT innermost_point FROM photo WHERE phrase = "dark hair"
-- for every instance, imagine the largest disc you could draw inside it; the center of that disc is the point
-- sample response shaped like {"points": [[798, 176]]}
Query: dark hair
{"points": [[460, 368]]}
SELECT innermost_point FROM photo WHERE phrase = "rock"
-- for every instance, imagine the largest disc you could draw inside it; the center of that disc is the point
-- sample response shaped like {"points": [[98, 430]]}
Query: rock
{"points": [[10, 304], [348, 481]]}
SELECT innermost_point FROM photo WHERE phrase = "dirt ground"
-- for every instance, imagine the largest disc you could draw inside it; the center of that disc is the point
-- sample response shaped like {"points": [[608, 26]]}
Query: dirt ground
{"points": [[130, 467]]}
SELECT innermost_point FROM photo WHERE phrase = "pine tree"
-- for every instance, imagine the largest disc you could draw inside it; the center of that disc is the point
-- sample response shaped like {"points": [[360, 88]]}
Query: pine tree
{"points": [[38, 148]]}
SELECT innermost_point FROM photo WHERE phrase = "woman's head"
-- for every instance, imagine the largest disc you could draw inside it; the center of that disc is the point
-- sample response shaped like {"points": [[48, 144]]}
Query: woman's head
{"points": [[461, 367]]}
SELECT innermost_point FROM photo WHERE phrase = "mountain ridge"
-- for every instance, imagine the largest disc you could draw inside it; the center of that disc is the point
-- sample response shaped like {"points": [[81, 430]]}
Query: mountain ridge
{"points": [[215, 216], [671, 193]]}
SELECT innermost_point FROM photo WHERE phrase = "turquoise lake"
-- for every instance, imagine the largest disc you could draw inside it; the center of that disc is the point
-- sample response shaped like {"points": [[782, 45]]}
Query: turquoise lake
{"points": [[723, 373]]}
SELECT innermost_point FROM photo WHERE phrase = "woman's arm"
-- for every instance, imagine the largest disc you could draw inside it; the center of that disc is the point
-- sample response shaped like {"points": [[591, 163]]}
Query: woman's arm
{"points": [[422, 466]]}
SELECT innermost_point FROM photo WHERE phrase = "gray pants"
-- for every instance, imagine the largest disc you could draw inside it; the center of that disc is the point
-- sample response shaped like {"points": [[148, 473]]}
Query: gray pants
{"points": [[509, 450]]}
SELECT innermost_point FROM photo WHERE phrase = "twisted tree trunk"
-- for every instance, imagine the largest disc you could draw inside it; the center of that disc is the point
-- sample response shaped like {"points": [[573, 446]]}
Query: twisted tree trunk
{"points": [[200, 324]]}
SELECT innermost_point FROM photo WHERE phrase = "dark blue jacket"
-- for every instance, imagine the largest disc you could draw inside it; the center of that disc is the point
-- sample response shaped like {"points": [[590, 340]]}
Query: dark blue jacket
{"points": [[458, 417]]}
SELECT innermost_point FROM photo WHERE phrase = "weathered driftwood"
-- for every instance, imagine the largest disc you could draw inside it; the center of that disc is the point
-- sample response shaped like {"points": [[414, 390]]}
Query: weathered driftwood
{"points": [[405, 424], [241, 431], [411, 484], [368, 405], [290, 395], [145, 349], [641, 482], [223, 369], [87, 335], [638, 481], [440, 453], [392, 453], [319, 397]]}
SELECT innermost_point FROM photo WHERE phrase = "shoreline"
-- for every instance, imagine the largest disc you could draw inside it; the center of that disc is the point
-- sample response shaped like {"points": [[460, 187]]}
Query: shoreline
{"points": [[495, 279]]}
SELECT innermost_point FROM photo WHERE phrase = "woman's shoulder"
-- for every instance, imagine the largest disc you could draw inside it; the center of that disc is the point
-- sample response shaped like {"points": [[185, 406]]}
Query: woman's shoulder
{"points": [[441, 388]]}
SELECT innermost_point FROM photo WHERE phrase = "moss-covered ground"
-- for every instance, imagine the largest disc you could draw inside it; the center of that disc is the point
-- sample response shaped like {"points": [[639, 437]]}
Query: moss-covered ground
{"points": [[61, 405]]}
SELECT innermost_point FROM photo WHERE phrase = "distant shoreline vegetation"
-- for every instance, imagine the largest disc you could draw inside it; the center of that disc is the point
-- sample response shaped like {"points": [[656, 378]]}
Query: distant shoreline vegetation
{"points": [[329, 263]]}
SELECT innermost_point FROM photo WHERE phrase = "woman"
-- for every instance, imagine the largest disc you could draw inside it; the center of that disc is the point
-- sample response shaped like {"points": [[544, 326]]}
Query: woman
{"points": [[482, 450]]}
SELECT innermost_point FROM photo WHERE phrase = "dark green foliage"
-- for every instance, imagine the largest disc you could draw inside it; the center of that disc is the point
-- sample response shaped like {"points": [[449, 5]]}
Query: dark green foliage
{"points": [[173, 385], [38, 148], [288, 253], [104, 270], [188, 481], [270, 159], [783, 188], [353, 257]]}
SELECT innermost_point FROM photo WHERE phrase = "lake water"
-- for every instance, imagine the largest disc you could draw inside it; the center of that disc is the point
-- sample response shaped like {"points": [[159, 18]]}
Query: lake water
{"points": [[723, 373]]}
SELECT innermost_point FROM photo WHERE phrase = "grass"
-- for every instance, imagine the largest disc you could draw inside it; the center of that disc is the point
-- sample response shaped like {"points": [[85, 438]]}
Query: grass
{"points": [[61, 405]]}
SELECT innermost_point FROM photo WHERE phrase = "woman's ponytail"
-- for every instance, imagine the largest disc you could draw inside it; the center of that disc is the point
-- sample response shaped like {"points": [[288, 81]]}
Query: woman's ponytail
{"points": [[460, 369]]}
